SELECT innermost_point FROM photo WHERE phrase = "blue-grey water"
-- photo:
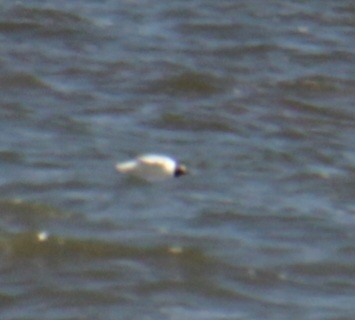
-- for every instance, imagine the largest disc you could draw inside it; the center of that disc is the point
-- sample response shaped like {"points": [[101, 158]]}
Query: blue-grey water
{"points": [[256, 97]]}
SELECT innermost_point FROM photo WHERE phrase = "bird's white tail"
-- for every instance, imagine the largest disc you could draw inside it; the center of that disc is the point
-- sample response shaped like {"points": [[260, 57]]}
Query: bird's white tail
{"points": [[125, 167]]}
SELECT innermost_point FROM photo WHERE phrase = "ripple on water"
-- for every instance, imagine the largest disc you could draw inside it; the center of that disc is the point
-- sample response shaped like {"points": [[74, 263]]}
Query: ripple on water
{"points": [[17, 214], [46, 21], [189, 83], [22, 80]]}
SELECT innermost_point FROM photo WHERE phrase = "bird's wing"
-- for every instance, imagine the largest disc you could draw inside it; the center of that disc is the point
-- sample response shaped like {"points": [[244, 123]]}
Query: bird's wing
{"points": [[153, 160]]}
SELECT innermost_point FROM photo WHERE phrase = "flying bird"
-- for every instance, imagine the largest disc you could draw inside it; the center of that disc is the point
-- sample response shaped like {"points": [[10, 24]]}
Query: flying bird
{"points": [[152, 167]]}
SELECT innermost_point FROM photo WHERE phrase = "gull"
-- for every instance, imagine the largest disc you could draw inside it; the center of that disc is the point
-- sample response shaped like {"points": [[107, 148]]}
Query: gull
{"points": [[152, 167]]}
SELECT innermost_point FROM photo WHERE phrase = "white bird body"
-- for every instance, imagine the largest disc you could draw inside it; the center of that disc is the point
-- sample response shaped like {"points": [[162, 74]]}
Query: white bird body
{"points": [[152, 167]]}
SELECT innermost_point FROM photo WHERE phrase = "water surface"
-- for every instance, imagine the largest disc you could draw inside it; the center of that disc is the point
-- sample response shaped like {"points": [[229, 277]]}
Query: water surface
{"points": [[257, 98]]}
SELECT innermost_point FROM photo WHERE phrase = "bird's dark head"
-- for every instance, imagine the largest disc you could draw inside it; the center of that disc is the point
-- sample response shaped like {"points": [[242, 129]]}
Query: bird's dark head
{"points": [[180, 170]]}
